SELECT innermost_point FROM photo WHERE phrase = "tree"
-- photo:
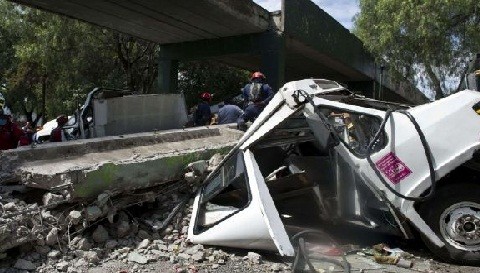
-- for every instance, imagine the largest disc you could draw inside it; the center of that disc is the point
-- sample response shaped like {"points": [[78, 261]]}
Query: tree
{"points": [[139, 61], [209, 76], [51, 61], [429, 42]]}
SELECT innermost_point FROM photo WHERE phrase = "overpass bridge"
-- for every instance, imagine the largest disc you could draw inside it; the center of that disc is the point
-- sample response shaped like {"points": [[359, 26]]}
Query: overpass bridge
{"points": [[299, 41]]}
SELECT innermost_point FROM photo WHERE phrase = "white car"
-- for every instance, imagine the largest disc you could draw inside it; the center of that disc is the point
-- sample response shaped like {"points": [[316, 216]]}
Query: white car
{"points": [[44, 134], [319, 153]]}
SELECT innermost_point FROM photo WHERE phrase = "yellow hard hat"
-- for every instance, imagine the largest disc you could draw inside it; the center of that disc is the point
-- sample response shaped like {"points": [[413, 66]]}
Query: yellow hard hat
{"points": [[477, 72]]}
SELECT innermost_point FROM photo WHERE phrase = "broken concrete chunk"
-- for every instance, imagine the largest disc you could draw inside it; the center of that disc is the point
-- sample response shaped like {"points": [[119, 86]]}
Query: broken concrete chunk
{"points": [[162, 247], [198, 257], [123, 228], [254, 257], [143, 244], [84, 244], [81, 263], [190, 177], [40, 240], [54, 254], [75, 240], [276, 268], [198, 167], [10, 206], [47, 216], [62, 266], [195, 249], [75, 217], [93, 213], [100, 235], [5, 232], [102, 199], [142, 234], [52, 237], [91, 256], [183, 256], [137, 258], [23, 231], [111, 244], [24, 265], [42, 249], [50, 199]]}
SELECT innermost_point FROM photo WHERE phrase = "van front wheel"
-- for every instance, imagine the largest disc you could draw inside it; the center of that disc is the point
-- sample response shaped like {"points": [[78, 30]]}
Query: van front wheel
{"points": [[454, 215]]}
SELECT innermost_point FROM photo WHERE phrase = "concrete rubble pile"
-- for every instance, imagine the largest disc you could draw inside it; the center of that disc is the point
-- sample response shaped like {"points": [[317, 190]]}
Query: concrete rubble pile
{"points": [[138, 228], [70, 186]]}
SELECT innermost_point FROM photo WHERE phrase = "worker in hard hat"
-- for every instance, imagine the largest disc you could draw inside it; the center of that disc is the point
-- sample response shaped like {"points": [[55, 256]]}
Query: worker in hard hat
{"points": [[203, 114], [256, 94]]}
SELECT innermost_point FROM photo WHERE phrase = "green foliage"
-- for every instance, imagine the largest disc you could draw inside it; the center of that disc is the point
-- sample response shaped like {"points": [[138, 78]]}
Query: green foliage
{"points": [[139, 62], [428, 42], [197, 77], [49, 63]]}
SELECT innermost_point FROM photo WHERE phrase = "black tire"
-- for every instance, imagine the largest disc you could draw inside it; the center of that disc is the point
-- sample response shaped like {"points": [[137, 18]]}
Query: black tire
{"points": [[432, 210]]}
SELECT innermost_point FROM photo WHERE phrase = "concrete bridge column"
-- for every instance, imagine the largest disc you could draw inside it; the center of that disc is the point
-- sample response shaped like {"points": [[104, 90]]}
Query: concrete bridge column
{"points": [[167, 73], [272, 52]]}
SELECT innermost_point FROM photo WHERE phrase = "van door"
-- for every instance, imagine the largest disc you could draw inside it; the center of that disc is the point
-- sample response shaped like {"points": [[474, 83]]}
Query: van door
{"points": [[235, 209], [353, 129]]}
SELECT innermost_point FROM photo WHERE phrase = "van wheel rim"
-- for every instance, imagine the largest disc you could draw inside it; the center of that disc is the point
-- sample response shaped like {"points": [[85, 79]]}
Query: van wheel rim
{"points": [[460, 226]]}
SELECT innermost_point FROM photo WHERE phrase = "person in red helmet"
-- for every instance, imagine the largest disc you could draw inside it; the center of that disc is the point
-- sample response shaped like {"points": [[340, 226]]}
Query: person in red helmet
{"points": [[203, 114], [256, 95], [57, 134]]}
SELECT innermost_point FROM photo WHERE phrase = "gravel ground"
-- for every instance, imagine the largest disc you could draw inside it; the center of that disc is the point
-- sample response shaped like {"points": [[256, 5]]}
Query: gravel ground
{"points": [[217, 260]]}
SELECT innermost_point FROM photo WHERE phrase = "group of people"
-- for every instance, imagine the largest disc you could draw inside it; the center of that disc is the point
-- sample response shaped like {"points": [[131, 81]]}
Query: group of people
{"points": [[256, 95], [13, 136]]}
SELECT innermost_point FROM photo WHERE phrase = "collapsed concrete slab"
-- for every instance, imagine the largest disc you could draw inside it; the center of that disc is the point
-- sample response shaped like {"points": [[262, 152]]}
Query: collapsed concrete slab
{"points": [[86, 168], [75, 185]]}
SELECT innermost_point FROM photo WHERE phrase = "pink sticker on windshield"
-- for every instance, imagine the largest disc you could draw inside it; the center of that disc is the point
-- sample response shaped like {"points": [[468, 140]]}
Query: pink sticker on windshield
{"points": [[393, 168]]}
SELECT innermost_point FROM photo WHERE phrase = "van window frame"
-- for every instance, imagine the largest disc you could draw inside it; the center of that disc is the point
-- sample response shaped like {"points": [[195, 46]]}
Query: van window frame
{"points": [[349, 148], [219, 171]]}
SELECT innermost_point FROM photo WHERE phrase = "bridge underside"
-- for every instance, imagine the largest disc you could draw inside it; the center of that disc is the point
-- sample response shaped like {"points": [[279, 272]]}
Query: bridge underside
{"points": [[300, 41], [164, 21]]}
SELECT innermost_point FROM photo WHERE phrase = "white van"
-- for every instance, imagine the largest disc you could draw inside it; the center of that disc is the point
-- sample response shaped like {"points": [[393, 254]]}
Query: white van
{"points": [[320, 154]]}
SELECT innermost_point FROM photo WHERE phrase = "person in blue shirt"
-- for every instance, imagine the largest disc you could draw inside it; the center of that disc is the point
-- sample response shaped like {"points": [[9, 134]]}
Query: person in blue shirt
{"points": [[228, 112], [256, 95], [203, 114]]}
